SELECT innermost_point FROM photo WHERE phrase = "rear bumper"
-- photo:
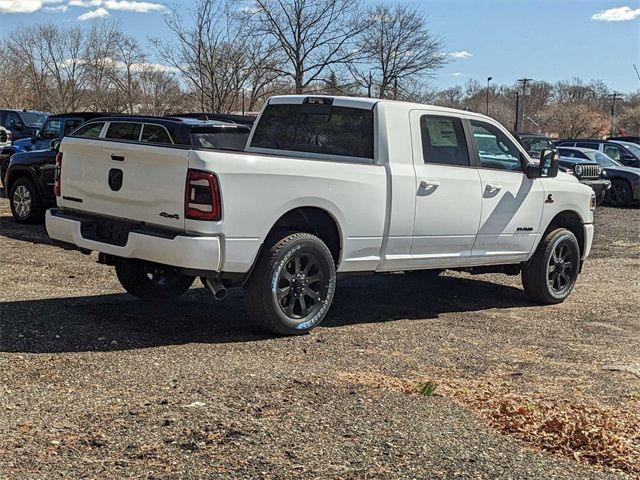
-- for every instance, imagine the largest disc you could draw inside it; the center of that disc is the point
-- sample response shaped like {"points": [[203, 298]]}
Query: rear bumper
{"points": [[588, 240], [190, 252]]}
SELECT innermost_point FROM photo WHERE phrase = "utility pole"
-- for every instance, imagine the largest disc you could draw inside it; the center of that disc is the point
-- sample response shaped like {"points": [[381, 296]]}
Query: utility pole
{"points": [[614, 96], [488, 80], [515, 123], [524, 82]]}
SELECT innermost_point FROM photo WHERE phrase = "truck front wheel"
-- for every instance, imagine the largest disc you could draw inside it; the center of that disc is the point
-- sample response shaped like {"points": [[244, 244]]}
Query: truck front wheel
{"points": [[292, 286], [152, 282], [550, 275]]}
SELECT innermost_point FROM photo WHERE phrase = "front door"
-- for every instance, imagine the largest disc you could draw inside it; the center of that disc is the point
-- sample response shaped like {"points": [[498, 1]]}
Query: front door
{"points": [[447, 191], [512, 203]]}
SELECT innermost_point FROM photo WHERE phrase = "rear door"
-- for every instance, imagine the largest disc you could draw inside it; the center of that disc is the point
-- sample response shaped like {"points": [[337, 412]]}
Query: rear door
{"points": [[106, 170], [447, 191]]}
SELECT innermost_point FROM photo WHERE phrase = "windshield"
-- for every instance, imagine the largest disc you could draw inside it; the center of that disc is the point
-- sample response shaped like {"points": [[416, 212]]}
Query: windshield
{"points": [[33, 118], [605, 161], [227, 139], [633, 148]]}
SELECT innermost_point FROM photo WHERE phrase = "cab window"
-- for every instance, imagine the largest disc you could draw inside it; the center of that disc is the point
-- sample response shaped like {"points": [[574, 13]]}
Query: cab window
{"points": [[89, 130], [316, 128], [494, 149], [443, 141], [71, 124], [613, 152], [155, 134], [51, 130], [124, 131]]}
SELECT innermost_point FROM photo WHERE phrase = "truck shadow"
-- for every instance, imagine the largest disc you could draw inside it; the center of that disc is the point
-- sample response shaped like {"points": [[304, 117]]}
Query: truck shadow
{"points": [[119, 322], [36, 234]]}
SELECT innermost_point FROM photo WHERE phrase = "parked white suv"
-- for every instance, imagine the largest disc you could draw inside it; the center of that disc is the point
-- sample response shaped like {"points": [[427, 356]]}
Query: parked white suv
{"points": [[325, 185]]}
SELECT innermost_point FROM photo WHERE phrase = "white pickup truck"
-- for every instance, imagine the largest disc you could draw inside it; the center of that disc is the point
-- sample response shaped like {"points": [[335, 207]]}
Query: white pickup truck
{"points": [[325, 185]]}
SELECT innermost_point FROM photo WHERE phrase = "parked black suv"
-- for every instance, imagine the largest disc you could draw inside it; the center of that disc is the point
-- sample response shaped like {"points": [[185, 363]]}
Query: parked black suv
{"points": [[626, 153], [625, 181], [585, 170], [30, 176], [22, 123]]}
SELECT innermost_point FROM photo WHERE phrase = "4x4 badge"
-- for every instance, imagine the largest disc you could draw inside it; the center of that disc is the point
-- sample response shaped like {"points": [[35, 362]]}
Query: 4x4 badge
{"points": [[169, 215]]}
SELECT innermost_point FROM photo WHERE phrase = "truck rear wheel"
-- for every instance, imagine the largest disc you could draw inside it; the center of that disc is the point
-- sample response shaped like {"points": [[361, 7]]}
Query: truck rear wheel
{"points": [[292, 286], [152, 282], [550, 275]]}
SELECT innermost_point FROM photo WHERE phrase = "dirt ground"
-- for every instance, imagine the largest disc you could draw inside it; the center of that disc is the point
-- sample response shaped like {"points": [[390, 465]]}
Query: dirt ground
{"points": [[95, 384]]}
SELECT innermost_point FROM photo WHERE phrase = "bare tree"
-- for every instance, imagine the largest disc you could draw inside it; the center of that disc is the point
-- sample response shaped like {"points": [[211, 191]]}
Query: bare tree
{"points": [[575, 121], [100, 66], [159, 91], [51, 59], [129, 63], [397, 49], [314, 36], [216, 56]]}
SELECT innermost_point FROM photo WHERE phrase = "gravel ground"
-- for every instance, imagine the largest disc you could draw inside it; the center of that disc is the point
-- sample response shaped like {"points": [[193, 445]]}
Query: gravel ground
{"points": [[95, 385]]}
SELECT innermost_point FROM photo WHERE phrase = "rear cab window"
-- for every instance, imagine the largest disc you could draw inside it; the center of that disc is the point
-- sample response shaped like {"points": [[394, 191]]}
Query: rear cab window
{"points": [[129, 131], [155, 134], [231, 137], [89, 130], [318, 128]]}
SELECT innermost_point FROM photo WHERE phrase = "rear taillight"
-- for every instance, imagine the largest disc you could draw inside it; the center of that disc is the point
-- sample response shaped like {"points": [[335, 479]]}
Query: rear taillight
{"points": [[56, 184], [202, 196]]}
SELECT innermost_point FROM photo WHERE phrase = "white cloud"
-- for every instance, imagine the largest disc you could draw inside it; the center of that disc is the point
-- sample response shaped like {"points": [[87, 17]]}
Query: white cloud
{"points": [[98, 13], [457, 74], [462, 54], [142, 7], [58, 9], [20, 6], [619, 14], [85, 3]]}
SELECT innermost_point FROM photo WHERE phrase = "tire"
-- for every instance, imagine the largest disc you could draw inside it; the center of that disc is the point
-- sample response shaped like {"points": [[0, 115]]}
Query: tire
{"points": [[152, 282], [292, 286], [4, 166], [25, 202], [550, 275], [600, 198], [620, 194]]}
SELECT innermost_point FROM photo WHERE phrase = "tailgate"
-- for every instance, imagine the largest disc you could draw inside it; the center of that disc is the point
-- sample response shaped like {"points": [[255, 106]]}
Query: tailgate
{"points": [[144, 183]]}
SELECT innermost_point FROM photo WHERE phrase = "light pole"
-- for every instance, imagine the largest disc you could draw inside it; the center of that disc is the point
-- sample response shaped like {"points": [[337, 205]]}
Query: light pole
{"points": [[488, 80]]}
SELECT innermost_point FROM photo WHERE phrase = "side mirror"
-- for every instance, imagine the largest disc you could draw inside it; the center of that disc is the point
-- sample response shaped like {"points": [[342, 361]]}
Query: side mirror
{"points": [[55, 144], [548, 166]]}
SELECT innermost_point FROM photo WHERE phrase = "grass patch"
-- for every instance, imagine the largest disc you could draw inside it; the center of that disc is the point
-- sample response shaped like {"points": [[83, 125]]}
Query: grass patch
{"points": [[427, 389]]}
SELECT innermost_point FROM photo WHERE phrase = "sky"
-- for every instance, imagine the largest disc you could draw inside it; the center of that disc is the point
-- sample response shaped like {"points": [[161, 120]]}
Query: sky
{"points": [[505, 39]]}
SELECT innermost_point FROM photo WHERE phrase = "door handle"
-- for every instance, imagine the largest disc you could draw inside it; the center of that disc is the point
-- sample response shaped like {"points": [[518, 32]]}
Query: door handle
{"points": [[429, 184], [117, 158], [493, 187]]}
